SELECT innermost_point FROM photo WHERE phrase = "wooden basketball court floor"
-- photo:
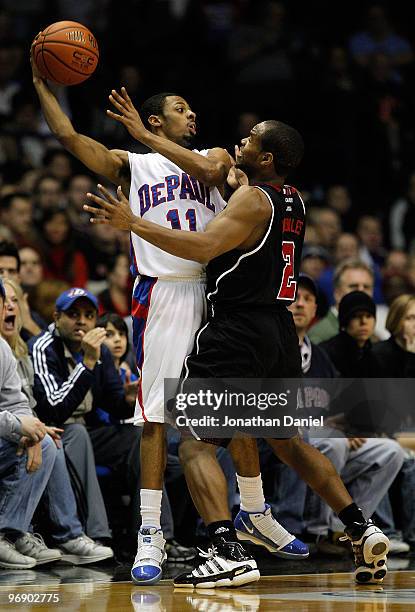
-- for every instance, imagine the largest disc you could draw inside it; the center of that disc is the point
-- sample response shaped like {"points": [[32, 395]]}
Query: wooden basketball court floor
{"points": [[108, 589]]}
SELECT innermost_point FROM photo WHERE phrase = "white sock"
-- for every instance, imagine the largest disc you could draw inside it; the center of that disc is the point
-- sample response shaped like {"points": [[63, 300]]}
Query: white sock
{"points": [[150, 507], [252, 494]]}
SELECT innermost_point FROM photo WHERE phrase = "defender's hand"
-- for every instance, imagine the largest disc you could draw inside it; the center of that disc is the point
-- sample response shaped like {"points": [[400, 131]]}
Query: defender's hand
{"points": [[115, 212], [129, 116]]}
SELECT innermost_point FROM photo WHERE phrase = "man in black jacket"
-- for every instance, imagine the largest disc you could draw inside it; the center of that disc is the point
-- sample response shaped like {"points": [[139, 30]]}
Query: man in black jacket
{"points": [[74, 376]]}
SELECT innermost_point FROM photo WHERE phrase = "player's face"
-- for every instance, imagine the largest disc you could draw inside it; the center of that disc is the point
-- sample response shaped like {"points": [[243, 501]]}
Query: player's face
{"points": [[75, 322], [361, 327], [303, 309], [250, 152], [178, 121]]}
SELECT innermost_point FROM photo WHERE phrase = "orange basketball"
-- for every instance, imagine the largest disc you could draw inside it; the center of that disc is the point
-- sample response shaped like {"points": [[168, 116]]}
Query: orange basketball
{"points": [[66, 52]]}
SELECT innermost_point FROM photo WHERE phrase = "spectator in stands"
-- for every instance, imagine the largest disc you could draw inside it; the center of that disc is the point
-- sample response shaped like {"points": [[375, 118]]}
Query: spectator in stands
{"points": [[351, 275], [396, 356], [74, 546], [379, 37], [31, 268], [315, 260], [102, 247], [351, 350], [358, 460], [27, 456], [58, 163], [62, 259], [117, 297], [347, 247], [10, 268], [396, 359], [328, 227], [338, 198], [47, 193], [402, 219], [75, 375], [370, 234], [45, 296], [78, 186], [16, 212]]}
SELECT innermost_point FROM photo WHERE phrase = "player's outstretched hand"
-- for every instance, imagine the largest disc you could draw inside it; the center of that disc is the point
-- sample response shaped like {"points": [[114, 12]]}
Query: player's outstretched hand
{"points": [[113, 211], [129, 115], [35, 71]]}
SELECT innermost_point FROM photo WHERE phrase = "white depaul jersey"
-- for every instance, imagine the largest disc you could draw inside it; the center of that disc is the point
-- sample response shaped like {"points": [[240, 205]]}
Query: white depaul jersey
{"points": [[163, 193]]}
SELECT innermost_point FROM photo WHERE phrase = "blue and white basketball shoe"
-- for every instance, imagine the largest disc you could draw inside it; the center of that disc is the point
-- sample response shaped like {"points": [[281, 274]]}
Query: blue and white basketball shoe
{"points": [[263, 529], [150, 556]]}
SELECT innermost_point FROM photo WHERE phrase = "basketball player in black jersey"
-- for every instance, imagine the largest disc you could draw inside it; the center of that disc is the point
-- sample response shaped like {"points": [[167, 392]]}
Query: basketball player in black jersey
{"points": [[253, 250]]}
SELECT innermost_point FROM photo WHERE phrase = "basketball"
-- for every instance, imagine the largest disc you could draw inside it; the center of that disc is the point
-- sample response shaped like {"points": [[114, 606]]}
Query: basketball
{"points": [[66, 53]]}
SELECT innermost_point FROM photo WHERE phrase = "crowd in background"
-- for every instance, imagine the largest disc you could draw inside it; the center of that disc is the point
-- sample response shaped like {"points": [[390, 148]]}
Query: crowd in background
{"points": [[342, 75]]}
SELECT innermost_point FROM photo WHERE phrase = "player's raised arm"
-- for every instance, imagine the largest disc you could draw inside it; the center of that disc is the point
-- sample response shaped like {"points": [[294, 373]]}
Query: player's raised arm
{"points": [[241, 225], [113, 165], [211, 170]]}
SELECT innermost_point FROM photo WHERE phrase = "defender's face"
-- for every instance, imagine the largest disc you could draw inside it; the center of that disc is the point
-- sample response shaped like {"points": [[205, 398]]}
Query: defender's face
{"points": [[248, 158], [178, 120]]}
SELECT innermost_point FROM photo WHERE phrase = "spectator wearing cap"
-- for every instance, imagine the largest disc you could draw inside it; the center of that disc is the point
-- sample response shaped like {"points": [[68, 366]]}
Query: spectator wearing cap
{"points": [[314, 260], [74, 375], [351, 275], [351, 349]]}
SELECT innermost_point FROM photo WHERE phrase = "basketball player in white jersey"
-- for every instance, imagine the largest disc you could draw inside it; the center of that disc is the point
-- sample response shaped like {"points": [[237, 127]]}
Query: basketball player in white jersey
{"points": [[176, 188], [169, 292]]}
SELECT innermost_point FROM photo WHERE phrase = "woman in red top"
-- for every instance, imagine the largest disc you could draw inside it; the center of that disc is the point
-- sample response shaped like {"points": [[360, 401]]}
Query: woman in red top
{"points": [[63, 261]]}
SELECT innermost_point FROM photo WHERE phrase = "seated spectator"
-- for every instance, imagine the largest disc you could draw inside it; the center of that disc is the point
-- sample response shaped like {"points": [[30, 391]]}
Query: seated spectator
{"points": [[315, 260], [79, 185], [16, 212], [117, 297], [62, 259], [347, 247], [351, 349], [338, 198], [47, 193], [75, 375], [359, 461], [58, 163], [328, 226], [31, 268], [370, 234], [10, 268], [45, 296], [351, 275], [27, 457], [396, 359], [73, 545], [402, 219]]}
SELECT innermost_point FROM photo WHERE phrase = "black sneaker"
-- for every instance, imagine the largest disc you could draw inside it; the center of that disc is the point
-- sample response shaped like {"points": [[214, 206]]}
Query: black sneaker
{"points": [[177, 553], [370, 547], [227, 564]]}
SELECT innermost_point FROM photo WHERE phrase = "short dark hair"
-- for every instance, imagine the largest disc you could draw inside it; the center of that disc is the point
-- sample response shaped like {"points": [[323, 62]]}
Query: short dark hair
{"points": [[7, 200], [52, 153], [154, 106], [286, 145], [9, 249], [119, 324]]}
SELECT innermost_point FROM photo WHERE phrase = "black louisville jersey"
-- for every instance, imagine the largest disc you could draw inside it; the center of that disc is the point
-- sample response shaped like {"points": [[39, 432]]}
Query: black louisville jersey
{"points": [[267, 274]]}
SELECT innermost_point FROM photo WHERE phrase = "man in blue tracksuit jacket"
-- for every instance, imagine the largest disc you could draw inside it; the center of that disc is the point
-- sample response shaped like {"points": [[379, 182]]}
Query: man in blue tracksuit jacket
{"points": [[74, 375]]}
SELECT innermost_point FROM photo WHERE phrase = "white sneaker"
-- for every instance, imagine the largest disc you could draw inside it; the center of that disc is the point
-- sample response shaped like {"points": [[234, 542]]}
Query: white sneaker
{"points": [[83, 550], [370, 549], [397, 547], [32, 545], [150, 556], [10, 558]]}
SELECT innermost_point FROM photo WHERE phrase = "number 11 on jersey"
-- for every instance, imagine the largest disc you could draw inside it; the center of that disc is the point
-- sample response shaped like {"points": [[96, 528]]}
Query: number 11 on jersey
{"points": [[173, 217]]}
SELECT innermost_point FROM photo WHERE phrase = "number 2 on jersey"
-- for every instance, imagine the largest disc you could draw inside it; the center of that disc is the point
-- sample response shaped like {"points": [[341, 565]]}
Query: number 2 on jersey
{"points": [[288, 284], [173, 217]]}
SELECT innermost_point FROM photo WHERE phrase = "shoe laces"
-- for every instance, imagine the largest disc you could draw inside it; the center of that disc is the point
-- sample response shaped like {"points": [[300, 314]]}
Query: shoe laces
{"points": [[274, 530], [208, 555], [35, 540]]}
